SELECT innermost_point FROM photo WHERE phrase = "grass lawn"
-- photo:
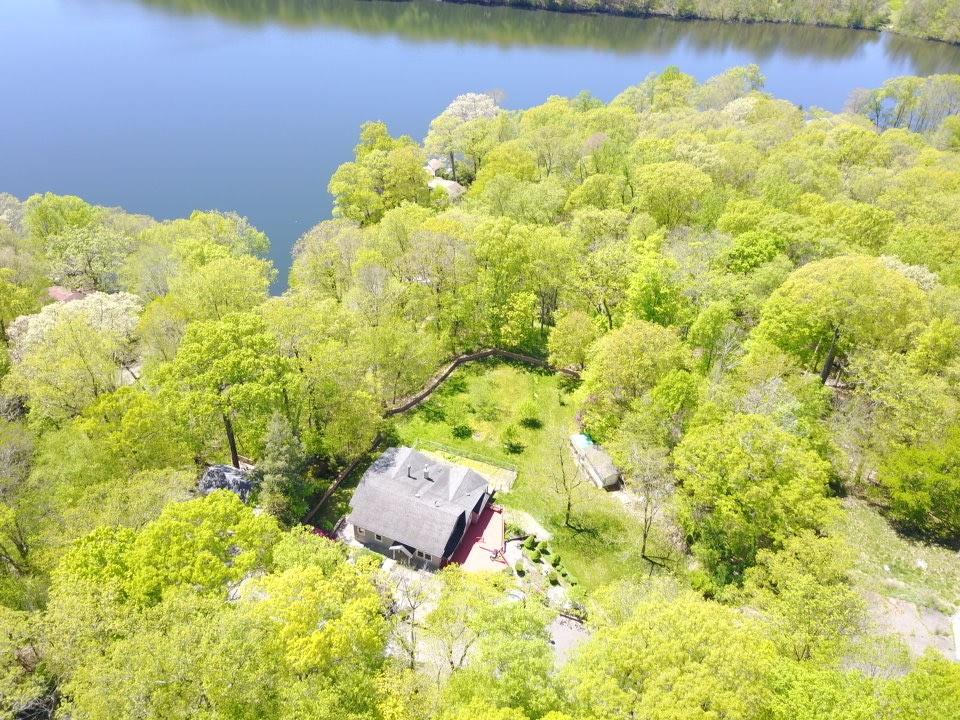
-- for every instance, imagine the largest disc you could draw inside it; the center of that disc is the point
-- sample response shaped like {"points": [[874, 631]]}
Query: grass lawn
{"points": [[469, 413], [894, 566]]}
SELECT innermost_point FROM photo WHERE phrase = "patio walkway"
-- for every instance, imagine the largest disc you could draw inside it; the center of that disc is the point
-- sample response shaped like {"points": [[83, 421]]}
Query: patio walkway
{"points": [[482, 546]]}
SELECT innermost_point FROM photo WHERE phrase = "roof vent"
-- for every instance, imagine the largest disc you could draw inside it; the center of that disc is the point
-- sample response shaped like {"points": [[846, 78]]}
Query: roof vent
{"points": [[426, 473]]}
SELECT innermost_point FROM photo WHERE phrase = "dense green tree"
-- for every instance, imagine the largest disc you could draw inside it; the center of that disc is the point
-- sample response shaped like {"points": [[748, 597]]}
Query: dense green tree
{"points": [[282, 469], [220, 287], [712, 332], [670, 191], [15, 300], [654, 294], [324, 258], [923, 487], [49, 215], [682, 658], [87, 258], [831, 309], [67, 356], [804, 590], [386, 172], [227, 372], [625, 364], [570, 338], [930, 690], [746, 485]]}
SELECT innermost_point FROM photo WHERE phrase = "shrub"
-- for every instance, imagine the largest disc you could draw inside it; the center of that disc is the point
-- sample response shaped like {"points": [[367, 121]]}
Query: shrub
{"points": [[462, 431], [519, 569], [536, 556], [529, 413], [923, 488], [486, 409], [510, 438], [432, 412], [530, 543], [555, 561], [553, 578], [543, 547]]}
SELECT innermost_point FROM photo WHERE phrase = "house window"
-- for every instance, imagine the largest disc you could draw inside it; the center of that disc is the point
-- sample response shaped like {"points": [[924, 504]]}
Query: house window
{"points": [[379, 537], [427, 556], [419, 553]]}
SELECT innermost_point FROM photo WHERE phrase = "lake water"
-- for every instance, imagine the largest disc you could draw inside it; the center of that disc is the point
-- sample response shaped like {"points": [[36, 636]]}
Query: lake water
{"points": [[164, 106]]}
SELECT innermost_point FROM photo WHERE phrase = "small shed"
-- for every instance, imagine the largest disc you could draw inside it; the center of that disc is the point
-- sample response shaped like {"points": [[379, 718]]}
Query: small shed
{"points": [[227, 477], [594, 461]]}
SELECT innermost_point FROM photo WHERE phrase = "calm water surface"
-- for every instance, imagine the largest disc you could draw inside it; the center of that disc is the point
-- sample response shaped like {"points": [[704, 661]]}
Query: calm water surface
{"points": [[164, 106]]}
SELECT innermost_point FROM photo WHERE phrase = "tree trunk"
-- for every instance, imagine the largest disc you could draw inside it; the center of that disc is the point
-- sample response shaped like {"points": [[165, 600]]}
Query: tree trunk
{"points": [[606, 311], [232, 439], [831, 354], [453, 167]]}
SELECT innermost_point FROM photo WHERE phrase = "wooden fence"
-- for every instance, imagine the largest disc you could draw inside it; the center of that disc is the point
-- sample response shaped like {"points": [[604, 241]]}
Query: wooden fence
{"points": [[413, 401]]}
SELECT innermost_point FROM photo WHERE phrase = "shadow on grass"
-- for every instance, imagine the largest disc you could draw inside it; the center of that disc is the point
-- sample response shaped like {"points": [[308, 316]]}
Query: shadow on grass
{"points": [[432, 411], [456, 384], [580, 530]]}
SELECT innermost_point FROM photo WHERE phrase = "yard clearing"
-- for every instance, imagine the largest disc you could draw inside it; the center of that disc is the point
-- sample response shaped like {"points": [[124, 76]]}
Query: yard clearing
{"points": [[912, 589], [894, 566], [470, 414]]}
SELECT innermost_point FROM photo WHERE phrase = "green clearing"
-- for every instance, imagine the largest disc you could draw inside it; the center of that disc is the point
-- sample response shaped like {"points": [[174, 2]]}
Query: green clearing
{"points": [[486, 397], [895, 566]]}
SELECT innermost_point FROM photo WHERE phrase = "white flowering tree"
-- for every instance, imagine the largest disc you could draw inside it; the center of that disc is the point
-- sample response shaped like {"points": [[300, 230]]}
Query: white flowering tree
{"points": [[463, 129], [69, 354]]}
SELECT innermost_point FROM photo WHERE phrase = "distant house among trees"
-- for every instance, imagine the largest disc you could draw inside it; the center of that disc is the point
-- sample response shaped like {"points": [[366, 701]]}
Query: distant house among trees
{"points": [[227, 477], [594, 461], [64, 295], [452, 188], [415, 508]]}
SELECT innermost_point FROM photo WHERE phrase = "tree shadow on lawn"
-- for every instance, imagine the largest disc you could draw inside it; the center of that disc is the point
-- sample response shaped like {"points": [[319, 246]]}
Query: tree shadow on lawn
{"points": [[432, 412], [456, 384]]}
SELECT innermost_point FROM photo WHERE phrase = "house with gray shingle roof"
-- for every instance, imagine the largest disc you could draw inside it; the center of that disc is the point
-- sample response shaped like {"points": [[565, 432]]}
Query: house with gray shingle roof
{"points": [[416, 508], [227, 477]]}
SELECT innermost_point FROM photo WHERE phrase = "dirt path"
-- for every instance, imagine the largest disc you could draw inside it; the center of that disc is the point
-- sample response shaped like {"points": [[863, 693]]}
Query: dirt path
{"points": [[919, 627]]}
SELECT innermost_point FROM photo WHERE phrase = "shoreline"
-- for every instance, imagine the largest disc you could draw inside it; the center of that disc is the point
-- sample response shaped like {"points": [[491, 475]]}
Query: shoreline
{"points": [[574, 9]]}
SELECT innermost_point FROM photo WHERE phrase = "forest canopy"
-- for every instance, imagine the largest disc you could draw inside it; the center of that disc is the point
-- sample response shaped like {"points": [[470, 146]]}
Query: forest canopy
{"points": [[762, 304]]}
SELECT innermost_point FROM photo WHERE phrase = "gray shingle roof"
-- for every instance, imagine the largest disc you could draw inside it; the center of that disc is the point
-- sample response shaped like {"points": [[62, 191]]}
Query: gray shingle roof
{"points": [[226, 477], [417, 500]]}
